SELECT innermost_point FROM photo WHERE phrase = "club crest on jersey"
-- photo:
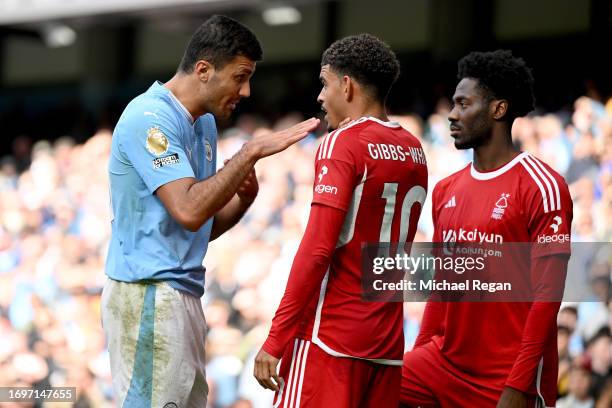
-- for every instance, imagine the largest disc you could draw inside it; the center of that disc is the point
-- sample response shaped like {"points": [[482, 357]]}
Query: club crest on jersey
{"points": [[157, 142], [500, 206], [208, 149]]}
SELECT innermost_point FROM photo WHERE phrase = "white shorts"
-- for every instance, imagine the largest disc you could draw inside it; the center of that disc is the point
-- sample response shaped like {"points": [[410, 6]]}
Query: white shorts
{"points": [[155, 338]]}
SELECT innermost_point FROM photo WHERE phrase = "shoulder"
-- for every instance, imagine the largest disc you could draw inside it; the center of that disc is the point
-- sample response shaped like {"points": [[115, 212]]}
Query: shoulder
{"points": [[543, 171], [351, 136], [206, 124], [339, 143], [149, 106], [148, 99], [440, 191], [411, 139], [537, 176], [448, 181], [147, 112], [542, 185], [209, 119]]}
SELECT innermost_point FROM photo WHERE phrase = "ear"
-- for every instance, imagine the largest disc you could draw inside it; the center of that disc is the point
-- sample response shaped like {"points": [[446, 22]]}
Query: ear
{"points": [[348, 88], [204, 70], [500, 108]]}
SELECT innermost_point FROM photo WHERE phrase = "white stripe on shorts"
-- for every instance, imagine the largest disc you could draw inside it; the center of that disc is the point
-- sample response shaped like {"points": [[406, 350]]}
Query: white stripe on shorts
{"points": [[291, 390]]}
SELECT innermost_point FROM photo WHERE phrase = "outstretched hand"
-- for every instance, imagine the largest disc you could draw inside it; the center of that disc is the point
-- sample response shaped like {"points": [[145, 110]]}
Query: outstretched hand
{"points": [[265, 370], [267, 144]]}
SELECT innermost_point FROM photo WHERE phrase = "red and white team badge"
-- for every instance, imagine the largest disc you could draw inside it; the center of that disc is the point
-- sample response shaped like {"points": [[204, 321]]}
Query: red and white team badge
{"points": [[500, 206]]}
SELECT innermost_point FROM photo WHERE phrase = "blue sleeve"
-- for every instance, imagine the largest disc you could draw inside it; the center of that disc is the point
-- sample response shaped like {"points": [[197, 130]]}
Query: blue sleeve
{"points": [[152, 141]]}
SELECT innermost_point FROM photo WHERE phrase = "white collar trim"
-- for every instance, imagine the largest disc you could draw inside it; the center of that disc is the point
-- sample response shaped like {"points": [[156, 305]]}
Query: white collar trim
{"points": [[387, 124], [181, 106], [492, 174]]}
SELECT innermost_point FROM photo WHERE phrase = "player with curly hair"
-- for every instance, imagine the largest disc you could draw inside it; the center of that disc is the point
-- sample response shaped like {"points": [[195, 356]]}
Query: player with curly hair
{"points": [[495, 354], [371, 181]]}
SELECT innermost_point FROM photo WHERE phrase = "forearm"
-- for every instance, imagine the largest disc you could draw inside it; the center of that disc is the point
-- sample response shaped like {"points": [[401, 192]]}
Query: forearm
{"points": [[193, 203], [206, 198], [229, 216], [541, 321], [434, 316], [304, 280], [309, 267]]}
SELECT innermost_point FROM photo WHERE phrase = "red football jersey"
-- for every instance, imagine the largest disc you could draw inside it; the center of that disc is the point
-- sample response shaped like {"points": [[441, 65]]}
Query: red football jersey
{"points": [[376, 173], [523, 201]]}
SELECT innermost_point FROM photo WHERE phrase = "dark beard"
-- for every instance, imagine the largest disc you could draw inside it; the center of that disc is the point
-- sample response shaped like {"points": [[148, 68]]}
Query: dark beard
{"points": [[479, 132]]}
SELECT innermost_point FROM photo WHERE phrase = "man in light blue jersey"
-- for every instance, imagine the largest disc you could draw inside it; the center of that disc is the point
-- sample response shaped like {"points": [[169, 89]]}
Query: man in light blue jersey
{"points": [[167, 203]]}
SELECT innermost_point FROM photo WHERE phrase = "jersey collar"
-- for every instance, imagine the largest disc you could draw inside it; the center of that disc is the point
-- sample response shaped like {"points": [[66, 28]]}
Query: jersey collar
{"points": [[387, 124], [159, 85], [488, 175], [180, 106]]}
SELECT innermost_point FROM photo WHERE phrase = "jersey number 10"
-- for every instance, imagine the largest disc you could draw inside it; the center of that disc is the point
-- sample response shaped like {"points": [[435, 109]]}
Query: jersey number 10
{"points": [[416, 194]]}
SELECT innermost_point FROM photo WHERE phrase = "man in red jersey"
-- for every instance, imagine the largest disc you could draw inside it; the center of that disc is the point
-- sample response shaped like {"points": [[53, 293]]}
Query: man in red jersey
{"points": [[370, 184], [498, 354]]}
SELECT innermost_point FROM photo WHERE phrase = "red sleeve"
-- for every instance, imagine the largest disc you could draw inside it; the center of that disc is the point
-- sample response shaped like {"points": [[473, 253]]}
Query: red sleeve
{"points": [[335, 178], [549, 222], [432, 323], [338, 169], [541, 323], [435, 199], [308, 269], [435, 311], [549, 225]]}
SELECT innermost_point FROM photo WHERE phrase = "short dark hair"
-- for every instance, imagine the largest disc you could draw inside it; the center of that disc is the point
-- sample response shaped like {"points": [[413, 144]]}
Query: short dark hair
{"points": [[501, 76], [367, 59], [603, 332], [219, 40]]}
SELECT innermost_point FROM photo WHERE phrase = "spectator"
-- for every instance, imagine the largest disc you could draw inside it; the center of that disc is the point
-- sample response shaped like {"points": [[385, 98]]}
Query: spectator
{"points": [[599, 350], [579, 389]]}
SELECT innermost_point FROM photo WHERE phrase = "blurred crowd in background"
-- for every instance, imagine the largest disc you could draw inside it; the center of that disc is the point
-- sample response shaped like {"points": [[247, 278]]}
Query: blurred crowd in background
{"points": [[55, 227]]}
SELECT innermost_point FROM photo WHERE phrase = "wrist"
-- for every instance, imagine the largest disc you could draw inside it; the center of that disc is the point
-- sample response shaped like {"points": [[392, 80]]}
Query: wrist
{"points": [[520, 384], [514, 390], [274, 352], [251, 151]]}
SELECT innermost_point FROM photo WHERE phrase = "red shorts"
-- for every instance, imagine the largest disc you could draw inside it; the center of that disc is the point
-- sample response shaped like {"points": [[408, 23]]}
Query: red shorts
{"points": [[429, 380], [312, 378]]}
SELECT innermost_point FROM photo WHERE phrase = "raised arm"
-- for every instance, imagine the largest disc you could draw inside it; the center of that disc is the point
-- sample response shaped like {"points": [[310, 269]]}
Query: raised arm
{"points": [[192, 203]]}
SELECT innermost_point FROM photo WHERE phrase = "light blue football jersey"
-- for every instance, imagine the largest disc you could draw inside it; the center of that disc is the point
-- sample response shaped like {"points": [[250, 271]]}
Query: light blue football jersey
{"points": [[154, 143]]}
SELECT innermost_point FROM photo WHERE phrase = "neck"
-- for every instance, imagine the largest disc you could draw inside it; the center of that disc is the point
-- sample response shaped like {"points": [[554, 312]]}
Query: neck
{"points": [[497, 151], [367, 108], [185, 89]]}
